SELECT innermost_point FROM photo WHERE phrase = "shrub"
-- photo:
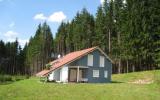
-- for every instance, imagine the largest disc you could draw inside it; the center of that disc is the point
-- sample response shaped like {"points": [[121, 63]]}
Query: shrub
{"points": [[19, 77], [5, 78], [26, 76], [48, 66], [43, 79], [8, 78], [1, 78]]}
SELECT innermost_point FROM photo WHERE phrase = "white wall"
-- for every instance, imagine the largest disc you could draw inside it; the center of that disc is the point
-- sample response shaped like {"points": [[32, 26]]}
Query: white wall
{"points": [[64, 74], [51, 76], [59, 74], [55, 75]]}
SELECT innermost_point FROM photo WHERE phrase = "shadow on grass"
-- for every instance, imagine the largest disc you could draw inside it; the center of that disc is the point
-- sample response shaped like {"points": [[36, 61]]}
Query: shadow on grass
{"points": [[116, 82]]}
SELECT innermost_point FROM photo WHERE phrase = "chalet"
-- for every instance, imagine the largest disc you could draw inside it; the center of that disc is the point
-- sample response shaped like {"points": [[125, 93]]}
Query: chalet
{"points": [[90, 65]]}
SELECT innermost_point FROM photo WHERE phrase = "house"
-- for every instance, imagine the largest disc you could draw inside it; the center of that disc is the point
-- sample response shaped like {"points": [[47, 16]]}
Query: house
{"points": [[90, 65]]}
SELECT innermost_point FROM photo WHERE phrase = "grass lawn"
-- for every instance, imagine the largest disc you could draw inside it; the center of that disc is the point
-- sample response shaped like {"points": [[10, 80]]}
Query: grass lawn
{"points": [[122, 88]]}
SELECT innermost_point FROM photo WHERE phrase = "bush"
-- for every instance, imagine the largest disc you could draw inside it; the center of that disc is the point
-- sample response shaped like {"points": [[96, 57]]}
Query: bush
{"points": [[19, 77], [1, 78], [26, 77], [5, 78], [48, 66], [8, 78], [43, 79]]}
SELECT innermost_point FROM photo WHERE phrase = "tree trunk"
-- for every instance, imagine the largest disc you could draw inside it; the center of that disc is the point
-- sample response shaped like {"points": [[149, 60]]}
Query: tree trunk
{"points": [[133, 68], [109, 42], [119, 66], [127, 65], [119, 43]]}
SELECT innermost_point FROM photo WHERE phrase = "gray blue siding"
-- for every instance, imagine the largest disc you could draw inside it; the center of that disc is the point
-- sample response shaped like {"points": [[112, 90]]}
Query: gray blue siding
{"points": [[96, 62]]}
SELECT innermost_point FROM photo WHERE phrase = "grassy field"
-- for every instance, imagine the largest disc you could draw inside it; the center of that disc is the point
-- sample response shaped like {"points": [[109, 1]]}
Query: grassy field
{"points": [[122, 88]]}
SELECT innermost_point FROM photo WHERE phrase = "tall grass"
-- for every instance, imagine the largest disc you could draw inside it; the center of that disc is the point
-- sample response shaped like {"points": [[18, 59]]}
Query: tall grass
{"points": [[157, 76], [5, 78], [9, 78]]}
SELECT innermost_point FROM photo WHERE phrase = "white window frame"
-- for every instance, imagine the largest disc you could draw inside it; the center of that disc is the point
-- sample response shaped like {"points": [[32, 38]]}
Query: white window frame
{"points": [[90, 60], [105, 74], [101, 62], [96, 73]]}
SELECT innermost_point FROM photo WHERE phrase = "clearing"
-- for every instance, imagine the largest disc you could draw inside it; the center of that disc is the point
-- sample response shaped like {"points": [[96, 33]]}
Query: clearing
{"points": [[133, 86]]}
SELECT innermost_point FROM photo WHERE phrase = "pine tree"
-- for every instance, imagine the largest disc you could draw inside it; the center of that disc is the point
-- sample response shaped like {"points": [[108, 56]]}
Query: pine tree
{"points": [[2, 56], [39, 49], [100, 29]]}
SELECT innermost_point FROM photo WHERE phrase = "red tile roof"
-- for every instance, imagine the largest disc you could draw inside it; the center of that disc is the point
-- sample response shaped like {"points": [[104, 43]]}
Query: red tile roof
{"points": [[65, 60], [42, 72]]}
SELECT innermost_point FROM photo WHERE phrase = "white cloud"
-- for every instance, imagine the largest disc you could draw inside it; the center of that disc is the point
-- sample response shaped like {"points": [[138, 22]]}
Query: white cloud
{"points": [[55, 17], [10, 36], [40, 16], [124, 1], [101, 1], [22, 42], [10, 39], [11, 24]]}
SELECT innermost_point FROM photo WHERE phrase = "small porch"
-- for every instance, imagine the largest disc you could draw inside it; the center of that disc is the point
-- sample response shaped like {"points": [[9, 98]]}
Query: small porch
{"points": [[77, 74]]}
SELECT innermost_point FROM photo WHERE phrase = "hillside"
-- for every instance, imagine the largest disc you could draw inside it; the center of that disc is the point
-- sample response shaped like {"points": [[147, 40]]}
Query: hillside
{"points": [[132, 86]]}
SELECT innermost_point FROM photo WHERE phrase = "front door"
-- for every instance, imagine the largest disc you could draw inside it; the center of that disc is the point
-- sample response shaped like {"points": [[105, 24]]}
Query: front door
{"points": [[73, 75]]}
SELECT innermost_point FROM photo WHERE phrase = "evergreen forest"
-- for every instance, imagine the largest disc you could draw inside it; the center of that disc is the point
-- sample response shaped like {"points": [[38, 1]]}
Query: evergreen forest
{"points": [[128, 32]]}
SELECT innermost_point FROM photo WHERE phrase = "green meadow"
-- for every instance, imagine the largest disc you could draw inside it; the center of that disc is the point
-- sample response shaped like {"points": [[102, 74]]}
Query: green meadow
{"points": [[132, 86]]}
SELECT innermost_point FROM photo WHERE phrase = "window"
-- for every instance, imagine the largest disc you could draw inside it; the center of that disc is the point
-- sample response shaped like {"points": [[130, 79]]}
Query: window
{"points": [[90, 60], [95, 73], [105, 74], [101, 61]]}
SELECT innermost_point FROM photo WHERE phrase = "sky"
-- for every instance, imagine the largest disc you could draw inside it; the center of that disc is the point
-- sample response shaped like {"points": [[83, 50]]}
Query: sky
{"points": [[20, 18]]}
